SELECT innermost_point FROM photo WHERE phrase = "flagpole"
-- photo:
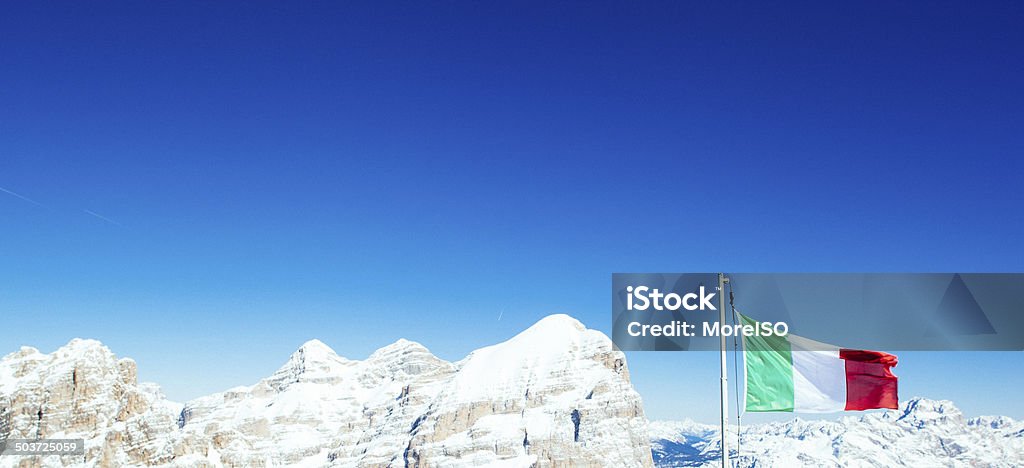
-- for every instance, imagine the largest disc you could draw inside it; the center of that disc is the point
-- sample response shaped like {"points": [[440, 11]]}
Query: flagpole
{"points": [[722, 279]]}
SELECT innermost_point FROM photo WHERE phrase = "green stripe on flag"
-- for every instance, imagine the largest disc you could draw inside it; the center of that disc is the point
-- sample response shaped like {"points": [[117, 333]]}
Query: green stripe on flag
{"points": [[769, 371]]}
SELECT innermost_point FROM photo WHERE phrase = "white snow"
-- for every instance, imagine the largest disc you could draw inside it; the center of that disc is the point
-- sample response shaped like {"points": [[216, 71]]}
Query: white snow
{"points": [[922, 432], [555, 393]]}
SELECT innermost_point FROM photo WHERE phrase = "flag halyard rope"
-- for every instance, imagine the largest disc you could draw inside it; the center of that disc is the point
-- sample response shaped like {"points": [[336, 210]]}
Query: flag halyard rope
{"points": [[736, 369]]}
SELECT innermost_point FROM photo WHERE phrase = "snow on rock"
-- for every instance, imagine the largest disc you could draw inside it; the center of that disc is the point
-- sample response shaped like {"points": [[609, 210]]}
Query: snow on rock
{"points": [[921, 432], [557, 394], [83, 391]]}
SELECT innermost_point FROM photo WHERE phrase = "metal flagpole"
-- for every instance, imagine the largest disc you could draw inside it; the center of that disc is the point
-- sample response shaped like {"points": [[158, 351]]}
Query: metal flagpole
{"points": [[722, 279]]}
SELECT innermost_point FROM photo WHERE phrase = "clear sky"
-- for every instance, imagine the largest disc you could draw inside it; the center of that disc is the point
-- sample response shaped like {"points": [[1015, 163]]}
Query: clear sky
{"points": [[203, 187]]}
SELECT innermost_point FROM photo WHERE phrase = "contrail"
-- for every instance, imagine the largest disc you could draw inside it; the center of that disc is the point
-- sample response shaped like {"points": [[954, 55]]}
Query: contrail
{"points": [[20, 196], [501, 313], [103, 217]]}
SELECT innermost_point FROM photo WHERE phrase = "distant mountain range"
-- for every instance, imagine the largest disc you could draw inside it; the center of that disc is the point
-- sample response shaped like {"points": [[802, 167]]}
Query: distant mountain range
{"points": [[922, 433], [556, 395]]}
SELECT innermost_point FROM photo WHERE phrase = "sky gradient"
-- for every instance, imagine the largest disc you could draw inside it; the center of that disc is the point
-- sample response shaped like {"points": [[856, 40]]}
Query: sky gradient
{"points": [[203, 187]]}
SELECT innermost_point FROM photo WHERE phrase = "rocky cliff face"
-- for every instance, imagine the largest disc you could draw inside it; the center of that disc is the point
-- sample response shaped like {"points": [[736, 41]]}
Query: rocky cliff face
{"points": [[555, 395], [83, 391]]}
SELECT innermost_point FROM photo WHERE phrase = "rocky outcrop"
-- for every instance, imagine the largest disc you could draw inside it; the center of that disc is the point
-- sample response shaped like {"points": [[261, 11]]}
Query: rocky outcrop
{"points": [[83, 391], [555, 395]]}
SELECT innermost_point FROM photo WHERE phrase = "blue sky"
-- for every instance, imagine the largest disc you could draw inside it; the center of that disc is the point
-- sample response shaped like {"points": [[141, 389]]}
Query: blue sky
{"points": [[208, 186]]}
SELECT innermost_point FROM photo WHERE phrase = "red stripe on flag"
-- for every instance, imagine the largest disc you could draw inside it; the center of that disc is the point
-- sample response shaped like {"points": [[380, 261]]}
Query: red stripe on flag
{"points": [[870, 383]]}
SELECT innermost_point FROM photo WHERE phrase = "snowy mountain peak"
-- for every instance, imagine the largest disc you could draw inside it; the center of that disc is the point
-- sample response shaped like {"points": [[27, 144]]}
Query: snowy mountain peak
{"points": [[79, 347], [401, 346], [560, 322], [553, 334], [313, 361], [22, 353], [74, 358], [28, 350], [315, 348], [79, 343], [313, 353], [920, 411], [994, 422], [552, 345], [407, 358], [927, 405]]}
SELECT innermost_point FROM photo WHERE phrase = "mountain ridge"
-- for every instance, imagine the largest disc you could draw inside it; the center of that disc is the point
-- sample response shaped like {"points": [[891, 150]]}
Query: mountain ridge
{"points": [[922, 432], [554, 394]]}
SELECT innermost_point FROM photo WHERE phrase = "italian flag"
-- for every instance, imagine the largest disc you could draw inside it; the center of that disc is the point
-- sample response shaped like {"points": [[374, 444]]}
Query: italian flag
{"points": [[794, 374]]}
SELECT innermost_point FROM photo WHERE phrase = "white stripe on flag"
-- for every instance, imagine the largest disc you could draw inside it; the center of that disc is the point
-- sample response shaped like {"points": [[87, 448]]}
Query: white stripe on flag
{"points": [[819, 376]]}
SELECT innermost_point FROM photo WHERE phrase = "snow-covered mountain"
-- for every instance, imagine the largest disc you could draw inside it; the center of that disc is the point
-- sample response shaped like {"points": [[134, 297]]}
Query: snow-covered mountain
{"points": [[921, 433], [557, 394]]}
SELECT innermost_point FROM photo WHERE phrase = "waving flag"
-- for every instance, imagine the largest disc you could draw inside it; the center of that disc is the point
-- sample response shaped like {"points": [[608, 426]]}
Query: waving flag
{"points": [[794, 374]]}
